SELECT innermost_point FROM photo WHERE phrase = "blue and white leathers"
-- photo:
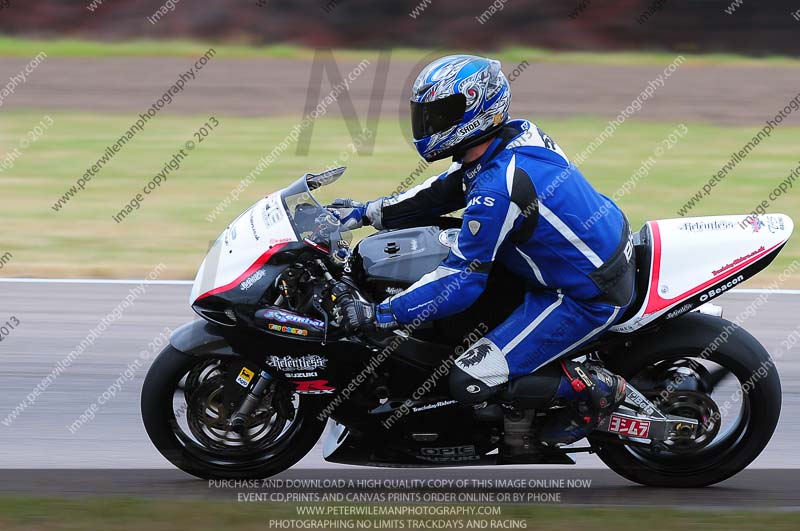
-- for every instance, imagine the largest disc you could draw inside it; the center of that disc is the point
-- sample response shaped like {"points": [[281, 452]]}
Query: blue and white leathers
{"points": [[527, 207]]}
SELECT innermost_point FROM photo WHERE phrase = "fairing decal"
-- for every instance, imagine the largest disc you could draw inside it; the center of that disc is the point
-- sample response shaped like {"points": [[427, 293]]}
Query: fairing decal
{"points": [[246, 245], [696, 259]]}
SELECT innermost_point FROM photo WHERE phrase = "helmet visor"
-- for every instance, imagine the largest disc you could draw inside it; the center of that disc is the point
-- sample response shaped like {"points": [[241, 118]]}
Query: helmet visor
{"points": [[436, 116]]}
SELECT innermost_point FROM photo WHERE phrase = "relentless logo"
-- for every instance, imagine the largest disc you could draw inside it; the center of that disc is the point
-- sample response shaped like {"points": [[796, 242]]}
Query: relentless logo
{"points": [[474, 355], [308, 362], [474, 226], [701, 226], [252, 279]]}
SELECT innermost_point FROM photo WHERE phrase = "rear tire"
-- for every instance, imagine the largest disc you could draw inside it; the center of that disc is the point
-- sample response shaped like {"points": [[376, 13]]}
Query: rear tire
{"points": [[744, 356], [160, 422]]}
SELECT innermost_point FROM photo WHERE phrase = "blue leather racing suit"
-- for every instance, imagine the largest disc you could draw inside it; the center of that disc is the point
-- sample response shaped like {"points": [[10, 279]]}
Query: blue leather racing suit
{"points": [[527, 207]]}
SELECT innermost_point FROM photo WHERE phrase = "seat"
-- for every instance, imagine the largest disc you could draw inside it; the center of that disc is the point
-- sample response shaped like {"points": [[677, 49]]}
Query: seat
{"points": [[643, 249]]}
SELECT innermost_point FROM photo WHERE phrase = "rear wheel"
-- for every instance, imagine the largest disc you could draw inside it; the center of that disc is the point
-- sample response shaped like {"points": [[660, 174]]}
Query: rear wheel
{"points": [[186, 418], [732, 389]]}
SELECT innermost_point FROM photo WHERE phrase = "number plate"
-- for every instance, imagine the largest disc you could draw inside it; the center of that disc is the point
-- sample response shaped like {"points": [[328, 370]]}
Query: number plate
{"points": [[629, 427]]}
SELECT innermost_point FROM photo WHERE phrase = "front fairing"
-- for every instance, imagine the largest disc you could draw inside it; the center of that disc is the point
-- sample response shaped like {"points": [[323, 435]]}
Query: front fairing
{"points": [[258, 245]]}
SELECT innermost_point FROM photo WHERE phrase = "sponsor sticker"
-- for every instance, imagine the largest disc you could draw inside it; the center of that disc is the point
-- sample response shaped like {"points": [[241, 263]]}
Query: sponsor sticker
{"points": [[738, 261], [629, 427], [288, 330], [436, 405], [314, 387], [680, 311], [312, 374], [775, 224], [308, 362], [710, 294], [273, 211], [286, 317], [245, 377], [702, 226], [756, 224], [448, 454], [252, 279]]}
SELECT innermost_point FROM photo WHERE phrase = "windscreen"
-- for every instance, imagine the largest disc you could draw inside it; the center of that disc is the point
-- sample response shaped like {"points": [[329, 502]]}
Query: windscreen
{"points": [[311, 220]]}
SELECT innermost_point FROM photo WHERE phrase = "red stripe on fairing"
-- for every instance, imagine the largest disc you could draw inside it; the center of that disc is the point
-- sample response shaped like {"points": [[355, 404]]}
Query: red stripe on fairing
{"points": [[655, 270], [263, 259], [655, 303]]}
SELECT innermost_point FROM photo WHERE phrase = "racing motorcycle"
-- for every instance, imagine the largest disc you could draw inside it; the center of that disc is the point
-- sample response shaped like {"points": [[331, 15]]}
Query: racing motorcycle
{"points": [[247, 391]]}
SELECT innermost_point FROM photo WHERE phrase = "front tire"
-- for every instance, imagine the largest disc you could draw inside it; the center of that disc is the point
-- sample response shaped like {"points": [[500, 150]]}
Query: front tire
{"points": [[701, 336], [170, 371]]}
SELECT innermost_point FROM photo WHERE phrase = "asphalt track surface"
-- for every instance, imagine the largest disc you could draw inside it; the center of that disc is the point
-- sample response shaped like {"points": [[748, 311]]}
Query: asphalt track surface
{"points": [[55, 317]]}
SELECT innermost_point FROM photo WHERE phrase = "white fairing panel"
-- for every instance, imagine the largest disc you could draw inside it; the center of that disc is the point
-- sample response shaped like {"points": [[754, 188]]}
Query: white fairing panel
{"points": [[244, 247], [335, 435], [702, 258]]}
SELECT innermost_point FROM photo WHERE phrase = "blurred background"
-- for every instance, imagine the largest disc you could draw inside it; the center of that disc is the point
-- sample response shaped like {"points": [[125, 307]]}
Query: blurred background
{"points": [[574, 66], [133, 132]]}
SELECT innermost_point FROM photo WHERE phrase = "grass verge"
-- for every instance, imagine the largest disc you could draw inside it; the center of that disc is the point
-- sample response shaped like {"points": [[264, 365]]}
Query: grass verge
{"points": [[172, 225], [122, 514]]}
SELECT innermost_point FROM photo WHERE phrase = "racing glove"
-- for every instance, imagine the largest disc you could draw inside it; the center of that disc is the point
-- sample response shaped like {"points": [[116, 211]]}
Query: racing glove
{"points": [[351, 214], [357, 315]]}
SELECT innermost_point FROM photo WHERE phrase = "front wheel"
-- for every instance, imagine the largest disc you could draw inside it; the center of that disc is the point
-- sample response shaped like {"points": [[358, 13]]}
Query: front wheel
{"points": [[185, 416], [705, 368]]}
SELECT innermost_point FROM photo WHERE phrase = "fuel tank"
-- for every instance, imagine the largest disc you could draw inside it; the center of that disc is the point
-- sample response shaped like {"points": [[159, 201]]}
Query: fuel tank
{"points": [[390, 261]]}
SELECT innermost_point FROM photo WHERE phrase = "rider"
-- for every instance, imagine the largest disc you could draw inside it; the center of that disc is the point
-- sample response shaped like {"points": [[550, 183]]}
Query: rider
{"points": [[526, 207]]}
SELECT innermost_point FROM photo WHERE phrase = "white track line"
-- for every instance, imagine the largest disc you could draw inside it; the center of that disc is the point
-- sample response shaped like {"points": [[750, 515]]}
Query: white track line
{"points": [[744, 291], [94, 281]]}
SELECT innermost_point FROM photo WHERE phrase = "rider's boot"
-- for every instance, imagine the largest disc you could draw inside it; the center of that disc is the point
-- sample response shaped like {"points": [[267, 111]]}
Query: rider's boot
{"points": [[595, 391], [588, 390]]}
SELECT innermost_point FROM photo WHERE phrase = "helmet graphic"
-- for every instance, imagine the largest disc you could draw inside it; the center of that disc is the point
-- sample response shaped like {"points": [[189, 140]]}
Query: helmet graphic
{"points": [[457, 102]]}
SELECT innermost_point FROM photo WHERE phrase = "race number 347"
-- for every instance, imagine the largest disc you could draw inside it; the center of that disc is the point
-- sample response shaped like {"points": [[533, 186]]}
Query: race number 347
{"points": [[629, 427]]}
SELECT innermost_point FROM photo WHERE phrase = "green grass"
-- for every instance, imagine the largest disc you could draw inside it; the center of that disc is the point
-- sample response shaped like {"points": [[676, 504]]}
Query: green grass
{"points": [[117, 514], [24, 47], [171, 225]]}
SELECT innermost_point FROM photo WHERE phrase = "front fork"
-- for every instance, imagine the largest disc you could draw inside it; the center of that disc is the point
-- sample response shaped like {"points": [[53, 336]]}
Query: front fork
{"points": [[256, 395]]}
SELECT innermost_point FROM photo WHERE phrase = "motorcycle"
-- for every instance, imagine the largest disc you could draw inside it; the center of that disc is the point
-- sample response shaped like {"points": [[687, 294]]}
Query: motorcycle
{"points": [[246, 391]]}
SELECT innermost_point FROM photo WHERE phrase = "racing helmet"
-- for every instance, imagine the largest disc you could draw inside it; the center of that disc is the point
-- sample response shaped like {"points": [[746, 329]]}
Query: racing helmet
{"points": [[457, 102]]}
